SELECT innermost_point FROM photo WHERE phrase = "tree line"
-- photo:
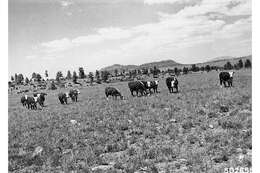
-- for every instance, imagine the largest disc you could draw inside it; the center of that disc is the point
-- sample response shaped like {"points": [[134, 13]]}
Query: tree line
{"points": [[103, 76]]}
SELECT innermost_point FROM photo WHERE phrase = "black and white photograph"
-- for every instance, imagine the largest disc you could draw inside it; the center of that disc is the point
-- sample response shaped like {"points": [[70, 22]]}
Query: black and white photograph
{"points": [[129, 86]]}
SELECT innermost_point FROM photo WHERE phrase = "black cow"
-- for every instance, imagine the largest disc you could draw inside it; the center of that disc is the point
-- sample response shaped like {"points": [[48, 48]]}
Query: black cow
{"points": [[138, 87], [171, 83], [111, 91], [24, 100], [40, 98], [73, 93], [63, 97], [226, 77], [32, 102]]}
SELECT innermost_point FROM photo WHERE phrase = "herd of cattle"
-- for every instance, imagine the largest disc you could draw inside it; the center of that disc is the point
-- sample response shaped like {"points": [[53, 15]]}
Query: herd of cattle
{"points": [[140, 88]]}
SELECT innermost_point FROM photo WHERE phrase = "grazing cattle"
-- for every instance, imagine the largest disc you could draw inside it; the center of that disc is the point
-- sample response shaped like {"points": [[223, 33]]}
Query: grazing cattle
{"points": [[138, 87], [151, 85], [226, 77], [171, 83], [40, 98], [32, 102], [63, 97], [24, 100], [111, 91], [73, 93]]}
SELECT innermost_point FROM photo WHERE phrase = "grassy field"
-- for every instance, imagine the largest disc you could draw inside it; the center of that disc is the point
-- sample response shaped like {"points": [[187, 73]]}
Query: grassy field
{"points": [[203, 128]]}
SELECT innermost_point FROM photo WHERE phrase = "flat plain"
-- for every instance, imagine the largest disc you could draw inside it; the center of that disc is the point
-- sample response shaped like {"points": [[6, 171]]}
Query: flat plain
{"points": [[203, 128]]}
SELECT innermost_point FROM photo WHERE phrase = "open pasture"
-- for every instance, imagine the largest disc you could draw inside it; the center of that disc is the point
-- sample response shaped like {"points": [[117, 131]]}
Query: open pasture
{"points": [[203, 128]]}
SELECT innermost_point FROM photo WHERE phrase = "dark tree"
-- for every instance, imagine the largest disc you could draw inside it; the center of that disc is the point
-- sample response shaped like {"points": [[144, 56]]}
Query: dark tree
{"points": [[38, 77], [20, 79], [133, 73], [58, 75], [202, 68], [97, 75], [53, 87], [207, 68], [240, 64], [236, 67], [74, 77], [34, 75], [248, 64], [176, 71], [68, 75], [228, 66], [104, 75], [46, 74], [194, 68], [81, 73], [145, 71], [16, 78], [27, 80], [185, 70], [9, 84], [156, 71], [116, 72], [12, 78], [91, 77], [139, 72]]}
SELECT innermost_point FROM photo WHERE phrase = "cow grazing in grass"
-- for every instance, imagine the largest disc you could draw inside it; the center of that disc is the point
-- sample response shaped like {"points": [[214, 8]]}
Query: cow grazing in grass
{"points": [[151, 85], [32, 102], [155, 86], [111, 91], [171, 83], [24, 100], [63, 98], [226, 77], [73, 93], [40, 98], [138, 87]]}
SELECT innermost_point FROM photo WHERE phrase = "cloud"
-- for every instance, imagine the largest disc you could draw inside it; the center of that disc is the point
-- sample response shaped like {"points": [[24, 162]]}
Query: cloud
{"points": [[31, 57], [190, 27], [103, 34], [56, 45], [66, 3], [152, 2]]}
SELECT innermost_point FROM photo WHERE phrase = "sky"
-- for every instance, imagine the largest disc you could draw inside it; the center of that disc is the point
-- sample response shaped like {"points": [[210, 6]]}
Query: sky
{"points": [[61, 35]]}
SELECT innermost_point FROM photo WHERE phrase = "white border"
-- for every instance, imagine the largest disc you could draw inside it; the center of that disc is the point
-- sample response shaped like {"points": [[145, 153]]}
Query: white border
{"points": [[3, 85], [4, 89], [255, 84]]}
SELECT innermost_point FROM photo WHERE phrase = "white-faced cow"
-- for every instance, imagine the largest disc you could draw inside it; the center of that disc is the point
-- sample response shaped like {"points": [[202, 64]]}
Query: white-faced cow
{"points": [[171, 83], [63, 98], [40, 98], [111, 91], [138, 87], [226, 78], [24, 100], [151, 85], [73, 93], [31, 102]]}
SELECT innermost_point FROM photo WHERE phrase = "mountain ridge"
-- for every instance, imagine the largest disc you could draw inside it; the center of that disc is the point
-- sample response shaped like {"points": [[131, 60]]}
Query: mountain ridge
{"points": [[169, 63]]}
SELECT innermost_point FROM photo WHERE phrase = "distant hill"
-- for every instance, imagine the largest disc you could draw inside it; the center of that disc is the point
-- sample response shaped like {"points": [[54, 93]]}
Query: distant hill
{"points": [[158, 64], [221, 61], [119, 67], [222, 58], [165, 64]]}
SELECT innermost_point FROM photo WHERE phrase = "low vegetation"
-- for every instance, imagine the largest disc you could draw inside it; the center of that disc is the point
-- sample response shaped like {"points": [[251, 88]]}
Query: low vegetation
{"points": [[203, 128]]}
